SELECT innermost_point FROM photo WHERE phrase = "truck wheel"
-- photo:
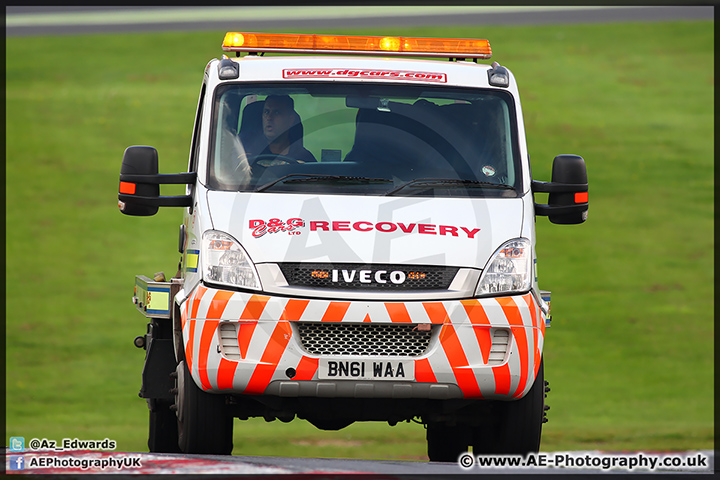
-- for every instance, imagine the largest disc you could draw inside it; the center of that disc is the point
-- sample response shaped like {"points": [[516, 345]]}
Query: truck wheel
{"points": [[445, 444], [163, 435], [520, 424], [203, 422]]}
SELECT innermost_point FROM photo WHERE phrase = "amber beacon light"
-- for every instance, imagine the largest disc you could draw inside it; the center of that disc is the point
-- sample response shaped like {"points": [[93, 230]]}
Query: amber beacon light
{"points": [[353, 44]]}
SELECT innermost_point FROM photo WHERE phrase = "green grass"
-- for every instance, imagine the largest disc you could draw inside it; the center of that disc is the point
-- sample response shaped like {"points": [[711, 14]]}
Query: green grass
{"points": [[630, 354]]}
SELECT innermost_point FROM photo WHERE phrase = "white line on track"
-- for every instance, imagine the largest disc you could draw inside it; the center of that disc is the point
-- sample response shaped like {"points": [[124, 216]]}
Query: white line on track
{"points": [[170, 15]]}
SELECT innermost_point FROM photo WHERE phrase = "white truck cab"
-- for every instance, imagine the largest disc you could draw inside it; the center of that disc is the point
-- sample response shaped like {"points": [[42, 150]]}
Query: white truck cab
{"points": [[358, 244]]}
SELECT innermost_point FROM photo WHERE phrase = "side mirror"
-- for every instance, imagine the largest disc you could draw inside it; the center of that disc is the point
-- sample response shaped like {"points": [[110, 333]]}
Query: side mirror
{"points": [[568, 199], [139, 190], [138, 161]]}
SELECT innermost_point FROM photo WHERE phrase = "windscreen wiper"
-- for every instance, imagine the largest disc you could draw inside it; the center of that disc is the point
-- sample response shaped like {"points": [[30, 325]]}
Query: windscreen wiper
{"points": [[306, 177], [447, 182]]}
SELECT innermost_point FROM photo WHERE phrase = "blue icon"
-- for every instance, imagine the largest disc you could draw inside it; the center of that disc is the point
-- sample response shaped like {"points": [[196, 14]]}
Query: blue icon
{"points": [[17, 462], [17, 444]]}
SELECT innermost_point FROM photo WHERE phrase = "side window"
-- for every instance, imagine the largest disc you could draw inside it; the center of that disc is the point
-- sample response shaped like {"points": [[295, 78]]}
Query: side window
{"points": [[192, 167]]}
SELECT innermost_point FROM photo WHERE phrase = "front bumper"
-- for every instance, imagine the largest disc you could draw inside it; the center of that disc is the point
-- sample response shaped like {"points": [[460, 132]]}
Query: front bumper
{"points": [[251, 344]]}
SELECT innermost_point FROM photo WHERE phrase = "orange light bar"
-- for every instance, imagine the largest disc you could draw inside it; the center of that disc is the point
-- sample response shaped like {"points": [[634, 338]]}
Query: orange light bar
{"points": [[407, 46]]}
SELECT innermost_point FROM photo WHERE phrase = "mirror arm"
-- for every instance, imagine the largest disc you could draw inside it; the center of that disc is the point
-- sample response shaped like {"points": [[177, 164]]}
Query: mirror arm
{"points": [[162, 201], [555, 187], [160, 178], [546, 210]]}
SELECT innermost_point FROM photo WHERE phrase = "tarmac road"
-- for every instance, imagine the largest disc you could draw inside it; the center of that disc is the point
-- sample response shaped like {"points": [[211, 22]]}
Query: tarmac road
{"points": [[85, 461], [52, 20]]}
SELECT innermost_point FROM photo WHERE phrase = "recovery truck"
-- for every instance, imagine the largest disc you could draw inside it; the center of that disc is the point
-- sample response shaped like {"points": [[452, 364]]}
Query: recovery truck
{"points": [[357, 244]]}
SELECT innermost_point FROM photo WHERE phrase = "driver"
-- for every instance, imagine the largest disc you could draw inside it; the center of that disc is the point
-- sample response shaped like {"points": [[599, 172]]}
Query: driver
{"points": [[283, 130]]}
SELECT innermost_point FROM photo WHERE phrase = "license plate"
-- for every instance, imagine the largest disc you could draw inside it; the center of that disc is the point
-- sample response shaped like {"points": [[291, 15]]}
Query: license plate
{"points": [[397, 370]]}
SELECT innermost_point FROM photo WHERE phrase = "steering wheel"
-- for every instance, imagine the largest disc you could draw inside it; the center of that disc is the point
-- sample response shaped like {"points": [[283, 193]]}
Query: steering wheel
{"points": [[265, 160], [271, 159]]}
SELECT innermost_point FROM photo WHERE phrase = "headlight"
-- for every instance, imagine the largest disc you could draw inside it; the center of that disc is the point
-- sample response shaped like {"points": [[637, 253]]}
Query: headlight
{"points": [[225, 262], [509, 269]]}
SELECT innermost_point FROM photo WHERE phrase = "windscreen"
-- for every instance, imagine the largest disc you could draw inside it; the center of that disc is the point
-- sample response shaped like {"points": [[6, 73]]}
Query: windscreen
{"points": [[361, 139]]}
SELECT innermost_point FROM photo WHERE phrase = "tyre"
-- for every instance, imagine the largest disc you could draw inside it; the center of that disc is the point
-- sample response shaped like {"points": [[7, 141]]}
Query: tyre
{"points": [[163, 434], [445, 444], [519, 424], [203, 422]]}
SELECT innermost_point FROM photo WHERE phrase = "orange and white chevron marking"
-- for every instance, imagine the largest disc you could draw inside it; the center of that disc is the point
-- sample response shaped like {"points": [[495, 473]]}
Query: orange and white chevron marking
{"points": [[269, 345]]}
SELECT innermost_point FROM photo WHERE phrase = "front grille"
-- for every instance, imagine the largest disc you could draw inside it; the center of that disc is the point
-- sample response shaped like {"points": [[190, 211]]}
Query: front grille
{"points": [[363, 339], [353, 276]]}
